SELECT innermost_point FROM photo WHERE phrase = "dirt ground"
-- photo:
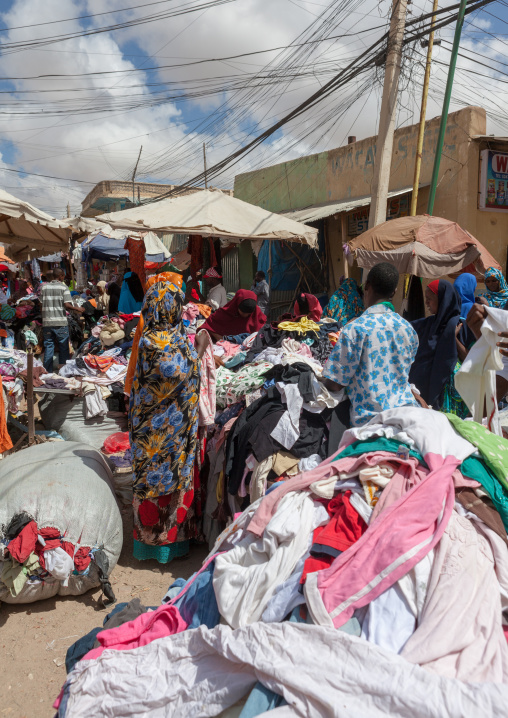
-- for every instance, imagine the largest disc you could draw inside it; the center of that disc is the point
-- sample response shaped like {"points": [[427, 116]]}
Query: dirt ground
{"points": [[34, 637]]}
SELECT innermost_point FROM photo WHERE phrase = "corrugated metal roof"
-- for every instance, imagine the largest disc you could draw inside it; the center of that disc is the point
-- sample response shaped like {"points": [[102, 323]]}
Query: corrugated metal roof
{"points": [[320, 211], [492, 138]]}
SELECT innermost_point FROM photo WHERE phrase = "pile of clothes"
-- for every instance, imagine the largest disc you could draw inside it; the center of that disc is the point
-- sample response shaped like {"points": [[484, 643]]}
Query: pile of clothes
{"points": [[32, 553], [374, 583]]}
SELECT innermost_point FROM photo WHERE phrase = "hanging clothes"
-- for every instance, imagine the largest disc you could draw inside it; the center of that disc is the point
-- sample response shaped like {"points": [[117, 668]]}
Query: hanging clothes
{"points": [[136, 249]]}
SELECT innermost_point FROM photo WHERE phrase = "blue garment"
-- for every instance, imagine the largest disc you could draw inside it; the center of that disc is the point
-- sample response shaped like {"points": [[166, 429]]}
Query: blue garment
{"points": [[236, 338], [81, 647], [127, 304], [372, 359], [198, 605], [465, 286], [55, 337], [260, 700]]}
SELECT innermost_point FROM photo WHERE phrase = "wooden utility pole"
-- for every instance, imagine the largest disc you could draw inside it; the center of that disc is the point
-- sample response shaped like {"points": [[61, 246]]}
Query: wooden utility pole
{"points": [[204, 162], [384, 144], [423, 112], [134, 175], [68, 209]]}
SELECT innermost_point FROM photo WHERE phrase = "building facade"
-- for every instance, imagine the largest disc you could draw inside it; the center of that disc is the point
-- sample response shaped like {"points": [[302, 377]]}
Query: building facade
{"points": [[331, 190]]}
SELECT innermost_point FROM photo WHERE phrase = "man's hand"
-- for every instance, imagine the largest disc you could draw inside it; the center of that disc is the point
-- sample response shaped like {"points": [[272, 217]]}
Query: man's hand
{"points": [[475, 318], [503, 346], [419, 398]]}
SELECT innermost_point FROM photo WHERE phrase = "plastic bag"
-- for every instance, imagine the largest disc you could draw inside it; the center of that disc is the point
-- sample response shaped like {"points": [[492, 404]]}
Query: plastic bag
{"points": [[117, 442]]}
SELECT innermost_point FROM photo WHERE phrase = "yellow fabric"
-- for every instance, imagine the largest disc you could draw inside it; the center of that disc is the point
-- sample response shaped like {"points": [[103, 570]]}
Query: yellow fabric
{"points": [[304, 326]]}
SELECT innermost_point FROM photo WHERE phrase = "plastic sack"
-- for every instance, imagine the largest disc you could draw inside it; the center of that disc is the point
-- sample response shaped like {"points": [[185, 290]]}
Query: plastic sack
{"points": [[66, 485], [117, 442], [64, 414]]}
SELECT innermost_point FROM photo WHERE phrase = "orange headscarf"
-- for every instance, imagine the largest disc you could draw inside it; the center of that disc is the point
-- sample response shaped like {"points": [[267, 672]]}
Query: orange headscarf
{"points": [[172, 277]]}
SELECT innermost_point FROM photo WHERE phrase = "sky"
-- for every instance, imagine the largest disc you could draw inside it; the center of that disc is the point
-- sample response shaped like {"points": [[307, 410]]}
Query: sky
{"points": [[161, 85]]}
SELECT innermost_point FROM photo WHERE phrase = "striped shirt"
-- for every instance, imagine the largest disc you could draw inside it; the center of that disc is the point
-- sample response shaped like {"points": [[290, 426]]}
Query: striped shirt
{"points": [[54, 295]]}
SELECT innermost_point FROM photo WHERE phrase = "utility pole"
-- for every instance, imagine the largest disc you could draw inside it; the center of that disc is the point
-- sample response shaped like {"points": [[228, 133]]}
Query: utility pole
{"points": [[134, 175], [384, 145], [204, 162], [423, 112], [68, 209], [446, 105]]}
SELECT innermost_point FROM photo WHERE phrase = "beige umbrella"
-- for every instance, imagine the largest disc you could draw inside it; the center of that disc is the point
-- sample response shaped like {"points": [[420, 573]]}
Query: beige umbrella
{"points": [[211, 213], [28, 231], [424, 246]]}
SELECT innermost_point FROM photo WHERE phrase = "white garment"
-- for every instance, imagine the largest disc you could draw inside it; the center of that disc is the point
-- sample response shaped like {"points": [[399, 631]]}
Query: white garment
{"points": [[287, 595], [309, 462], [319, 671], [287, 431], [323, 399], [389, 621], [257, 484], [476, 379], [426, 430], [218, 295], [59, 564], [245, 578], [94, 404]]}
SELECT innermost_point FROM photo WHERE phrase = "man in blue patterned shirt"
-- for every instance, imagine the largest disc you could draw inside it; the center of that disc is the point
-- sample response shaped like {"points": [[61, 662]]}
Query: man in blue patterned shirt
{"points": [[374, 352]]}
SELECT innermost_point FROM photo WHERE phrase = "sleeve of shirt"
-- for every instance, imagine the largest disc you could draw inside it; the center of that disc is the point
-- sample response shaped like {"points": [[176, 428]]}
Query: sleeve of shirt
{"points": [[67, 297], [344, 360]]}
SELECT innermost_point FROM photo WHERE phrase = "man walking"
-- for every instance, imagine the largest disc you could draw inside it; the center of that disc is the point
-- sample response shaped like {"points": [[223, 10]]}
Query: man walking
{"points": [[261, 288], [56, 298]]}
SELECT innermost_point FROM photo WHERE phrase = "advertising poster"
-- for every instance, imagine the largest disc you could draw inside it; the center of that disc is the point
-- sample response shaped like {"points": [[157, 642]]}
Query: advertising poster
{"points": [[494, 181]]}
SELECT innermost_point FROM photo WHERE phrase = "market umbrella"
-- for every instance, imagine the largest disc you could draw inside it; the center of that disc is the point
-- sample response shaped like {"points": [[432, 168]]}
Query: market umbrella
{"points": [[424, 246], [29, 231], [211, 213]]}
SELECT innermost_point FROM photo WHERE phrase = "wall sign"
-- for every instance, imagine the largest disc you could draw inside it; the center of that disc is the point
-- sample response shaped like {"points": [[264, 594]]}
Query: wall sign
{"points": [[358, 220], [494, 181]]}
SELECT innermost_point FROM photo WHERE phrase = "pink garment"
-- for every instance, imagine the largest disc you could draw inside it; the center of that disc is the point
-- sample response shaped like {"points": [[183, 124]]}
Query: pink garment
{"points": [[330, 469], [399, 538], [225, 429], [459, 633], [305, 351], [190, 312], [230, 349], [165, 621], [208, 383]]}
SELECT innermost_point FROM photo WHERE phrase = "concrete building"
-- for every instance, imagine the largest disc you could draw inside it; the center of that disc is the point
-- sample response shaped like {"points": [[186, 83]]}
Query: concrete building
{"points": [[113, 195], [331, 190]]}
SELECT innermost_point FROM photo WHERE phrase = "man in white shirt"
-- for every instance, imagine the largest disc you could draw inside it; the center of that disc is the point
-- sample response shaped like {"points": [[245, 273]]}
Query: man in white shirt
{"points": [[216, 297], [262, 290]]}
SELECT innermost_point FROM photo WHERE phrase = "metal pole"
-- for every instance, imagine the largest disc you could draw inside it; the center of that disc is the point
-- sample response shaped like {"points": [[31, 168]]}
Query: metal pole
{"points": [[446, 105], [30, 395], [423, 112], [204, 162], [384, 144]]}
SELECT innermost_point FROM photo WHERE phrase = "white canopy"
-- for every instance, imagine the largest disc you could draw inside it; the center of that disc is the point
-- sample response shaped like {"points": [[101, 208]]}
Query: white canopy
{"points": [[28, 231], [213, 214]]}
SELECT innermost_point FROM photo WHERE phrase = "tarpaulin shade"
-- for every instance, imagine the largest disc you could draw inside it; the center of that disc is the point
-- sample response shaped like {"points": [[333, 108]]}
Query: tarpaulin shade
{"points": [[213, 214], [111, 248], [28, 231], [424, 246]]}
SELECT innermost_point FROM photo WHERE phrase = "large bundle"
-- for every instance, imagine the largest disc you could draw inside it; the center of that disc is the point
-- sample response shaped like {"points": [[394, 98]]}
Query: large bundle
{"points": [[374, 585], [60, 527]]}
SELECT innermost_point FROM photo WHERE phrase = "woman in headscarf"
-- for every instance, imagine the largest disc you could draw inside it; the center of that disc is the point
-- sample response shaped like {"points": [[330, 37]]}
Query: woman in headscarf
{"points": [[306, 305], [465, 287], [102, 298], [239, 316], [131, 295], [497, 289], [346, 303], [163, 420], [114, 292], [440, 349]]}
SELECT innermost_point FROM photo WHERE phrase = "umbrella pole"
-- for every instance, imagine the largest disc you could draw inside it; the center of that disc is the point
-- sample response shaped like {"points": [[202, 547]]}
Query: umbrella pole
{"points": [[446, 105], [30, 395]]}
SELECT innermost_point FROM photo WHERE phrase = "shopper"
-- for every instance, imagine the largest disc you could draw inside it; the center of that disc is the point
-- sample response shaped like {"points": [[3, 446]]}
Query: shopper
{"points": [[217, 297], [262, 291], [56, 298]]}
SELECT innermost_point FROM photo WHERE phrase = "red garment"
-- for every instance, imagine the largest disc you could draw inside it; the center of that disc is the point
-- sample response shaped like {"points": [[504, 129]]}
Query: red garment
{"points": [[23, 545], [315, 308], [136, 249], [343, 530], [98, 362], [434, 286], [126, 317], [51, 537], [82, 558], [227, 320], [195, 249]]}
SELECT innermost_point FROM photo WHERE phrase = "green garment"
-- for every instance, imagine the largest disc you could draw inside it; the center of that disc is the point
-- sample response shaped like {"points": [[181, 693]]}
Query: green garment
{"points": [[233, 386], [15, 575], [475, 468], [493, 448], [378, 443]]}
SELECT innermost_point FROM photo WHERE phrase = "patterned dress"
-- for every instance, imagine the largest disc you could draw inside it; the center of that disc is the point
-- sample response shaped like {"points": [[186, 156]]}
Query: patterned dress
{"points": [[163, 419], [346, 304]]}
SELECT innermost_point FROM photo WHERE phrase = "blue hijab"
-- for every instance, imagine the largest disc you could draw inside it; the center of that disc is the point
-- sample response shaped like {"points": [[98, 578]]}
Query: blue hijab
{"points": [[131, 296], [465, 286]]}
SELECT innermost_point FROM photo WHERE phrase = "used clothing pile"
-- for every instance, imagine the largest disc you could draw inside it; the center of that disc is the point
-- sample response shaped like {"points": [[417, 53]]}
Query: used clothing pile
{"points": [[374, 583]]}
